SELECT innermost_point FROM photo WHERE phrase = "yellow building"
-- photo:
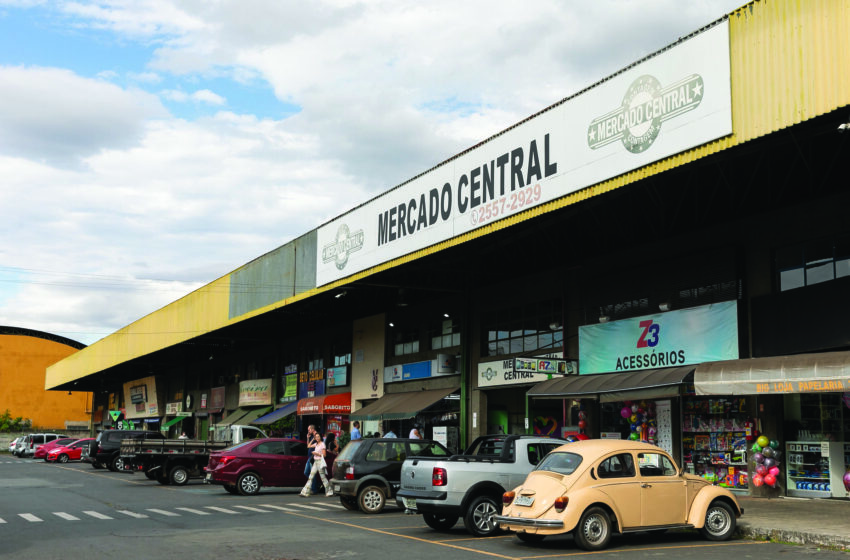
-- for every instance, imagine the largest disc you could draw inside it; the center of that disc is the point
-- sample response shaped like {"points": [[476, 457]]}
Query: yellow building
{"points": [[24, 356]]}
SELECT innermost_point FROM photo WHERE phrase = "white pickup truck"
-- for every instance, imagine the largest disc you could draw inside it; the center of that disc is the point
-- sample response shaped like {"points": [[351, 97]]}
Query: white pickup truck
{"points": [[470, 486]]}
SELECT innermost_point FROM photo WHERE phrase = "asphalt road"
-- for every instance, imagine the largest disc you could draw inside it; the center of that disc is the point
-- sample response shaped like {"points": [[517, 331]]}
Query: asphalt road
{"points": [[73, 511]]}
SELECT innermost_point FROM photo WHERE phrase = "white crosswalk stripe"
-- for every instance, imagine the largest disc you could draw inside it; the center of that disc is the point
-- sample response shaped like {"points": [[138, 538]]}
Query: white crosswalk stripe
{"points": [[164, 512], [195, 511], [97, 515], [132, 514], [222, 510], [281, 508], [66, 516], [2, 520], [338, 506], [252, 508], [305, 506], [30, 517]]}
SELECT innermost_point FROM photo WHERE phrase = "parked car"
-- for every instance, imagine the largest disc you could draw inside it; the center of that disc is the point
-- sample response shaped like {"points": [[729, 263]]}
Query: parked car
{"points": [[367, 472], [247, 467], [42, 450], [70, 452], [105, 450], [470, 486], [13, 443], [596, 488], [32, 442]]}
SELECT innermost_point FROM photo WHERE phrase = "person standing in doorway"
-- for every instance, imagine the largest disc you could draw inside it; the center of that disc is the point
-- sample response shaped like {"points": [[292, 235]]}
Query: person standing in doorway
{"points": [[355, 431], [415, 433], [319, 468]]}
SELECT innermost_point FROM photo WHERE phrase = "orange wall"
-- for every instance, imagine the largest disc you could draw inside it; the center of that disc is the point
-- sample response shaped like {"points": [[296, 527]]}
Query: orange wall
{"points": [[23, 361]]}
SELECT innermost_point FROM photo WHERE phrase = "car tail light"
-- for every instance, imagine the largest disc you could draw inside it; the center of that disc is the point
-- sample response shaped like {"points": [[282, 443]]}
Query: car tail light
{"points": [[349, 473], [224, 459], [508, 497], [439, 477], [560, 503]]}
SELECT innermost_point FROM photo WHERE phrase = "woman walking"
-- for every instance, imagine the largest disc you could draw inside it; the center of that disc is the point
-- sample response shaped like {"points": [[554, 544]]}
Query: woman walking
{"points": [[319, 467]]}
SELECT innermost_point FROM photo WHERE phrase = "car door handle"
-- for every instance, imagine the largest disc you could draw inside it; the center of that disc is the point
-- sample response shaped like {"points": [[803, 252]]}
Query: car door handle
{"points": [[645, 485]]}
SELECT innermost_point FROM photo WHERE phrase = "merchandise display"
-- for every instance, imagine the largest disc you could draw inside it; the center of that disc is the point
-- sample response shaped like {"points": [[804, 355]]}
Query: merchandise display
{"points": [[714, 440]]}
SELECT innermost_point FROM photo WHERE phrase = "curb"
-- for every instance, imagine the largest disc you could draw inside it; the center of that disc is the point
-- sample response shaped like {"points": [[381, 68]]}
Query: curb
{"points": [[796, 537]]}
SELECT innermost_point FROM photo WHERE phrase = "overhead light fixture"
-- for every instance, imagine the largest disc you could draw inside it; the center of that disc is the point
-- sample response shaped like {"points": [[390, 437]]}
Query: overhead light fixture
{"points": [[554, 326], [664, 306], [446, 315], [844, 127], [392, 324], [341, 294], [604, 318]]}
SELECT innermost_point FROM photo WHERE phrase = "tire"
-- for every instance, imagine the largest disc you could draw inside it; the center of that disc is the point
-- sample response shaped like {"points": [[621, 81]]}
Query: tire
{"points": [[349, 503], [96, 465], [249, 484], [179, 475], [477, 517], [440, 522], [372, 499], [231, 489], [116, 464], [62, 458], [720, 522], [593, 531], [150, 474], [530, 538]]}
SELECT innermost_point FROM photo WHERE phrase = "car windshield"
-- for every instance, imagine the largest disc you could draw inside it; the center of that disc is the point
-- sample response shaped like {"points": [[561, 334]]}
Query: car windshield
{"points": [[560, 462]]}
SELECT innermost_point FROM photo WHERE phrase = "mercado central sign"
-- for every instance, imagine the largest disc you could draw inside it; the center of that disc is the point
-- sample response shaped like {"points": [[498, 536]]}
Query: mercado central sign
{"points": [[667, 104]]}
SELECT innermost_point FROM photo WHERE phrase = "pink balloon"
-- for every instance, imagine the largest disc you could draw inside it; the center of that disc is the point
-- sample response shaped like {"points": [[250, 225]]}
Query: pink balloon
{"points": [[762, 470], [626, 412], [774, 471]]}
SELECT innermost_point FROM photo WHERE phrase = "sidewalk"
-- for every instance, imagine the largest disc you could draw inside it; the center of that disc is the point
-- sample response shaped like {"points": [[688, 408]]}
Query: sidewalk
{"points": [[816, 522]]}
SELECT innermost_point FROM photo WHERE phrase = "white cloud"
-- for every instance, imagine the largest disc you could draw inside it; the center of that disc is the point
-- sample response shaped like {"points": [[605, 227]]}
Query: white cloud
{"points": [[199, 96]]}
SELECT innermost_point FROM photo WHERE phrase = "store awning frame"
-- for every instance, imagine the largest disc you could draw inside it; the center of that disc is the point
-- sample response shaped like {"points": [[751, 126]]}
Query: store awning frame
{"points": [[612, 387], [335, 403], [277, 414], [399, 406], [800, 373], [253, 414], [234, 417], [172, 422]]}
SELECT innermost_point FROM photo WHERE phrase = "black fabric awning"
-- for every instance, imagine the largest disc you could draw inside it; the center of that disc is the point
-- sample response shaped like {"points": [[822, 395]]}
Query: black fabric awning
{"points": [[400, 405], [802, 373], [609, 387]]}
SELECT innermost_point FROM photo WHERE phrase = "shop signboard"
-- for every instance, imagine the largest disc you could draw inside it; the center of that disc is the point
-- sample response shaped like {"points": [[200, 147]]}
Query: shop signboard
{"points": [[173, 408], [523, 370], [337, 376], [217, 398], [676, 338], [311, 383], [444, 365], [141, 394], [288, 389], [255, 392], [668, 103]]}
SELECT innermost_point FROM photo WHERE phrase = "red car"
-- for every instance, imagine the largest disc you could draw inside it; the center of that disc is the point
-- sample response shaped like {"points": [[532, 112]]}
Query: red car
{"points": [[68, 452], [42, 450], [248, 466]]}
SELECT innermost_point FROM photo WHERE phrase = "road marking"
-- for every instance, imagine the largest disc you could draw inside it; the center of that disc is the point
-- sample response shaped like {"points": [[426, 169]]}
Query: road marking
{"points": [[305, 506], [222, 510], [163, 512], [338, 506], [66, 516], [2, 520], [252, 508], [30, 517], [195, 511], [97, 515], [132, 514], [278, 507]]}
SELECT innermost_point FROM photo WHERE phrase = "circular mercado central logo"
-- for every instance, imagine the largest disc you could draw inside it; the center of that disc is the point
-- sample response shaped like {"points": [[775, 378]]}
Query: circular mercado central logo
{"points": [[345, 243], [646, 105]]}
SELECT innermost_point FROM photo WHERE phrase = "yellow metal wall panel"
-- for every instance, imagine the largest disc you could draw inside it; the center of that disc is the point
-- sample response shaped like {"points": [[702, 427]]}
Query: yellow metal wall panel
{"points": [[789, 61]]}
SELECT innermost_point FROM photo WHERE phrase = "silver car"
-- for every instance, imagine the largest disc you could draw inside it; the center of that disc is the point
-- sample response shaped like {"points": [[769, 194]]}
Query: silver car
{"points": [[13, 443]]}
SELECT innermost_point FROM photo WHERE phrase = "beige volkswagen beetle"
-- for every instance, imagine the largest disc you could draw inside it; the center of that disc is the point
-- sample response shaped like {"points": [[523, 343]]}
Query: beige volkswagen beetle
{"points": [[596, 488]]}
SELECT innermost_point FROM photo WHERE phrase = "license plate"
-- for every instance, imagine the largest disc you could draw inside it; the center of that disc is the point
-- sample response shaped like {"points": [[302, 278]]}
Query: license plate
{"points": [[209, 476], [409, 503], [336, 487], [524, 500]]}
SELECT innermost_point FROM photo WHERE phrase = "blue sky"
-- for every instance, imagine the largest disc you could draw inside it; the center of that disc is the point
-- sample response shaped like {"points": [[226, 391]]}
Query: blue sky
{"points": [[148, 147]]}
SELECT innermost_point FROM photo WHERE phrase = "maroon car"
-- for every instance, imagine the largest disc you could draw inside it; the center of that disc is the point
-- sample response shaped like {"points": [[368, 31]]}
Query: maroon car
{"points": [[250, 465]]}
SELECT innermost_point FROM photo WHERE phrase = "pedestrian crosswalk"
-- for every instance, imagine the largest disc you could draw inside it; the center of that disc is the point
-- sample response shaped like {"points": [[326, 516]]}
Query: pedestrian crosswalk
{"points": [[175, 512]]}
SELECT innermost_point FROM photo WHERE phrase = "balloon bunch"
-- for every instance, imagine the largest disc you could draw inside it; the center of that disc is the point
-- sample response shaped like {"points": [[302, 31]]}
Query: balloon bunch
{"points": [[582, 419], [766, 456], [641, 420]]}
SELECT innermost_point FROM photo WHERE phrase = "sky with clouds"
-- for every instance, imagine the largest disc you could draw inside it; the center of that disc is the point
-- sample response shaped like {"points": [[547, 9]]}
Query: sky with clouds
{"points": [[148, 147]]}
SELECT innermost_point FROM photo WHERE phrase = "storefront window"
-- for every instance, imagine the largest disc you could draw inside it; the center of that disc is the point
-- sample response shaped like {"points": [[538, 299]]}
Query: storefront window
{"points": [[445, 335], [518, 330], [812, 263]]}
